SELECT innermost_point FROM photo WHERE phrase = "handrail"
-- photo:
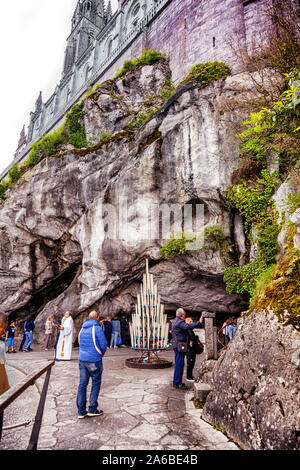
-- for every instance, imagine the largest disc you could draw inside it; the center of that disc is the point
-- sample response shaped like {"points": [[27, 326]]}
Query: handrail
{"points": [[16, 391]]}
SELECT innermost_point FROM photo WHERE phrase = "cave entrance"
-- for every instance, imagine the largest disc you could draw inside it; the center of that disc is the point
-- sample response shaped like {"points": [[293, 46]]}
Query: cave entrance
{"points": [[44, 295]]}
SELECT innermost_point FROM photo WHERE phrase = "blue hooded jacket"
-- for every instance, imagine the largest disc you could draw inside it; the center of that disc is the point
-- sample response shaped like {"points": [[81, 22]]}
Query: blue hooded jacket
{"points": [[87, 349]]}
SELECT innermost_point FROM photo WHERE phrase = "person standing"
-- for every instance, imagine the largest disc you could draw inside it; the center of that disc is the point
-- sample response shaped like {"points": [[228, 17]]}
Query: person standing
{"points": [[28, 328], [49, 329], [170, 331], [191, 352], [10, 337], [124, 328], [116, 330], [225, 331], [65, 340], [180, 335], [4, 385], [231, 328], [92, 347], [23, 339], [107, 329]]}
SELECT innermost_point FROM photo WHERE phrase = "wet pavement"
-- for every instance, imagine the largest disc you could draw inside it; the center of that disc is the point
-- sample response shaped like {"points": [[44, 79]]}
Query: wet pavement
{"points": [[142, 411]]}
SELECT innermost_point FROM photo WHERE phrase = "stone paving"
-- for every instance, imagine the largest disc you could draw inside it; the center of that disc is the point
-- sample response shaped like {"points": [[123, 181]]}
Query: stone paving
{"points": [[142, 411]]}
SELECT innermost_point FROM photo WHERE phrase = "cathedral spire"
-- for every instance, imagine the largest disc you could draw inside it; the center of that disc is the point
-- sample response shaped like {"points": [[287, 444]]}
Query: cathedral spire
{"points": [[109, 10], [39, 103]]}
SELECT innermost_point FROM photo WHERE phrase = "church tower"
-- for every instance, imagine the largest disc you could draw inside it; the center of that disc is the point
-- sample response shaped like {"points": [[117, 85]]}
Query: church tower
{"points": [[89, 18]]}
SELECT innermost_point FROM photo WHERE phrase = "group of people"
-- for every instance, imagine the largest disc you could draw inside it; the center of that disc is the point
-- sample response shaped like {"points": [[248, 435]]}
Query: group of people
{"points": [[181, 332], [10, 333], [116, 331], [95, 336]]}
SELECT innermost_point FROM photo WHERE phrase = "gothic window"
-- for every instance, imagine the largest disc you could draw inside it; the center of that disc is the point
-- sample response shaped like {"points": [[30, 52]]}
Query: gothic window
{"points": [[247, 2], [109, 49], [136, 10]]}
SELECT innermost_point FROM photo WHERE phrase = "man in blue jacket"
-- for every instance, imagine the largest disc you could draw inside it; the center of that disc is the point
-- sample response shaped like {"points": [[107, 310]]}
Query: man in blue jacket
{"points": [[180, 335], [92, 347]]}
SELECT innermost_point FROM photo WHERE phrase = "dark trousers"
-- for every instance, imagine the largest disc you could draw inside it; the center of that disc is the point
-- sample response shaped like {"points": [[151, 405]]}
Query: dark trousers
{"points": [[190, 362], [22, 343], [178, 368]]}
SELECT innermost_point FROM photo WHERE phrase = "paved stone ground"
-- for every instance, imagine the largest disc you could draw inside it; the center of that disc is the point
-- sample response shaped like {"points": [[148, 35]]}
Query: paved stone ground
{"points": [[142, 411]]}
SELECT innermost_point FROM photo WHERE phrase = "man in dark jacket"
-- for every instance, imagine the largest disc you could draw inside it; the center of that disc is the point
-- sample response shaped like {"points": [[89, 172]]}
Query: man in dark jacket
{"points": [[28, 330], [92, 347], [180, 335]]}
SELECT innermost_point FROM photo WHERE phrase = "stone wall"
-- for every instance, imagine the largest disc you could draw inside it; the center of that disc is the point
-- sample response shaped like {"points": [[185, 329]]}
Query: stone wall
{"points": [[255, 383]]}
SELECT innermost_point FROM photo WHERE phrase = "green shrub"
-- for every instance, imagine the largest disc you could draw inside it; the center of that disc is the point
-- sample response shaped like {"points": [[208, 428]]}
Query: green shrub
{"points": [[14, 174], [74, 129], [148, 57], [214, 238], [262, 282], [252, 200], [242, 280], [46, 146], [205, 73], [4, 185], [177, 245], [137, 120], [275, 131]]}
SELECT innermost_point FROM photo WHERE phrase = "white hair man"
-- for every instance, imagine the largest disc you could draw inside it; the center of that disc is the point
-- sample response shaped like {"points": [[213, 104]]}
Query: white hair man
{"points": [[180, 335]]}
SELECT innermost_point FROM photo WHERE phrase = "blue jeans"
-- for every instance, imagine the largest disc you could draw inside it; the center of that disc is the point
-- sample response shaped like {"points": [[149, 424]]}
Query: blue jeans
{"points": [[87, 370], [114, 337], [29, 339], [178, 367]]}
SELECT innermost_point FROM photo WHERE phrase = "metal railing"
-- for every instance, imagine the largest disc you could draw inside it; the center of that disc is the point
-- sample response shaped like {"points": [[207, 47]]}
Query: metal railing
{"points": [[18, 390]]}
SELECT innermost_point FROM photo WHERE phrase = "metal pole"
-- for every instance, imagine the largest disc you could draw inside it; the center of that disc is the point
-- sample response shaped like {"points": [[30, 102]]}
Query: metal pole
{"points": [[1, 424], [39, 415]]}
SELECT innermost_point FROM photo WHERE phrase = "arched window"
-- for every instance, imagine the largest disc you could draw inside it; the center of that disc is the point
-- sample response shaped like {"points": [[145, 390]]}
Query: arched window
{"points": [[109, 48]]}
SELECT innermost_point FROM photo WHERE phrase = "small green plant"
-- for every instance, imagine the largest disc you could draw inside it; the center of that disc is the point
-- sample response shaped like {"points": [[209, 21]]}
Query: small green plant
{"points": [[217, 427], [46, 146], [262, 282], [75, 130], [205, 73], [293, 202], [242, 280], [168, 89], [137, 120], [14, 174], [177, 245], [105, 134], [275, 131], [148, 57], [214, 238], [4, 185]]}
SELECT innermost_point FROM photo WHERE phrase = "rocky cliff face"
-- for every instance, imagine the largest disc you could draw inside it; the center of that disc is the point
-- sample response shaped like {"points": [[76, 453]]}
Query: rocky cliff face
{"points": [[76, 229], [255, 383], [60, 249]]}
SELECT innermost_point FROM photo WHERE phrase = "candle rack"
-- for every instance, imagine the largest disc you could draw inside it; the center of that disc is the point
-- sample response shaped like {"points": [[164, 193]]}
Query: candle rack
{"points": [[149, 327]]}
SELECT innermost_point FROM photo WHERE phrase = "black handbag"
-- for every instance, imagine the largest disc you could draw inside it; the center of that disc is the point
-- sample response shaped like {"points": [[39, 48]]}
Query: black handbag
{"points": [[182, 347], [199, 347]]}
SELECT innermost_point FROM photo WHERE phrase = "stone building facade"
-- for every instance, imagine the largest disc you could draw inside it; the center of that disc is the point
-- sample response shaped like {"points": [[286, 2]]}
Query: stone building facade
{"points": [[187, 31]]}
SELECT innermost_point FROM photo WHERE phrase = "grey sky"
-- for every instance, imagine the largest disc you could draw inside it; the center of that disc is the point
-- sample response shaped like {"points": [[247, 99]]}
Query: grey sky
{"points": [[33, 38]]}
